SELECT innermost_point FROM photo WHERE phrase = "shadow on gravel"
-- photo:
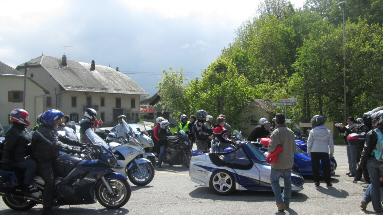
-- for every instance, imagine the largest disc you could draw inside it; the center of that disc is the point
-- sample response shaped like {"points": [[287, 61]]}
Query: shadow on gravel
{"points": [[77, 210], [134, 187], [332, 191], [246, 196]]}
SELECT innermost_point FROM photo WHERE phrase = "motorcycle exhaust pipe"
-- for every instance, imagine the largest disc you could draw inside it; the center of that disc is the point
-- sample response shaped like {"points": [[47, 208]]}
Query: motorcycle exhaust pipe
{"points": [[19, 196]]}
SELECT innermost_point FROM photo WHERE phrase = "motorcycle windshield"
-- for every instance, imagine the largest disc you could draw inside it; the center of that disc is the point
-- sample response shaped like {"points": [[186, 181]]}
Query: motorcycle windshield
{"points": [[69, 132], [238, 135], [97, 140]]}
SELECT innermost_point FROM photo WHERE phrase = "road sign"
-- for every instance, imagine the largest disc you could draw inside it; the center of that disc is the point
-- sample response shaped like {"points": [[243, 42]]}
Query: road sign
{"points": [[304, 125], [282, 104], [288, 100], [288, 120]]}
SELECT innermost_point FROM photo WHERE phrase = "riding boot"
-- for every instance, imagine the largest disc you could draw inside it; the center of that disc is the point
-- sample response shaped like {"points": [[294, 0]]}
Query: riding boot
{"points": [[48, 211]]}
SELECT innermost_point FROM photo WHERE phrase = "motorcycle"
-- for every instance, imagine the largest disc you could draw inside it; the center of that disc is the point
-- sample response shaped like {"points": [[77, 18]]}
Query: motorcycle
{"points": [[178, 150], [130, 162], [80, 179]]}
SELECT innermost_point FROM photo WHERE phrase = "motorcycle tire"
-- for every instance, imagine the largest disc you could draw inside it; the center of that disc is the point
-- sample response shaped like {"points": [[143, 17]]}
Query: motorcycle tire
{"points": [[186, 158], [119, 198], [332, 159], [141, 179], [18, 204]]}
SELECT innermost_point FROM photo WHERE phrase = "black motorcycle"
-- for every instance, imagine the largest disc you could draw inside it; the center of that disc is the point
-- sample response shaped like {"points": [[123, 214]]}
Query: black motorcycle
{"points": [[178, 150]]}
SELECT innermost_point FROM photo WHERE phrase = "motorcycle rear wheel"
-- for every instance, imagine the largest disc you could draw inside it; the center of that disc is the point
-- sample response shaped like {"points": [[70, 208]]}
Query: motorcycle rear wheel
{"points": [[141, 179], [121, 193], [18, 204], [186, 158]]}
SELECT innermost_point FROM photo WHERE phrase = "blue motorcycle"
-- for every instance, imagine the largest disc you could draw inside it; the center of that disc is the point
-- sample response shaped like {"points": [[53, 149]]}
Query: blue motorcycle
{"points": [[80, 179]]}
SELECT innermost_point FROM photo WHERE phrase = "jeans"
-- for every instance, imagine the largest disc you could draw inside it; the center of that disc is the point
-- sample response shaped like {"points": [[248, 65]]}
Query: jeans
{"points": [[31, 168], [274, 179], [372, 193], [352, 158], [316, 159], [162, 152]]}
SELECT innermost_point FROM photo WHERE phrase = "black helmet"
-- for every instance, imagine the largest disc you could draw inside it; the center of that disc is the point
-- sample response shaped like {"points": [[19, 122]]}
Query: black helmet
{"points": [[91, 114], [201, 114], [317, 120], [367, 120], [183, 116]]}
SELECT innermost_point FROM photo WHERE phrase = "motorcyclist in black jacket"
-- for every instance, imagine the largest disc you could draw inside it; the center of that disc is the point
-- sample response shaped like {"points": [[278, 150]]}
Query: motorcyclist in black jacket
{"points": [[260, 131], [90, 116], [201, 131], [46, 147], [16, 151], [370, 163]]}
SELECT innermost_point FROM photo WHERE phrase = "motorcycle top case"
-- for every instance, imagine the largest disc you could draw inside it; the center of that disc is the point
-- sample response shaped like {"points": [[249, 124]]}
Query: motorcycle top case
{"points": [[8, 181], [65, 163], [357, 139]]}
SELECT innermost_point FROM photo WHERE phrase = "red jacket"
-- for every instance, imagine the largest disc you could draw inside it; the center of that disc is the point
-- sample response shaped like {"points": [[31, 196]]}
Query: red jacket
{"points": [[156, 129], [273, 156]]}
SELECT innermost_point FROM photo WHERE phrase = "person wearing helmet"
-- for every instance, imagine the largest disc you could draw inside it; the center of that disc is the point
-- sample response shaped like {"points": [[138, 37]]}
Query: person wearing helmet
{"points": [[227, 126], [200, 130], [155, 137], [184, 124], [220, 134], [86, 123], [191, 135], [38, 122], [121, 129], [319, 143], [370, 163], [163, 133], [46, 147], [261, 131], [16, 148]]}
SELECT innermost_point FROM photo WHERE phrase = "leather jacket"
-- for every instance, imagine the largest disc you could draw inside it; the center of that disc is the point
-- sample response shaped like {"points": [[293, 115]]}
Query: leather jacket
{"points": [[258, 132], [369, 146], [46, 144], [201, 132], [16, 146]]}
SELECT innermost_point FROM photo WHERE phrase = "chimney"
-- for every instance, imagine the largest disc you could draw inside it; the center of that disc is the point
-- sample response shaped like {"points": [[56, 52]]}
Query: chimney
{"points": [[117, 69], [92, 66], [64, 60]]}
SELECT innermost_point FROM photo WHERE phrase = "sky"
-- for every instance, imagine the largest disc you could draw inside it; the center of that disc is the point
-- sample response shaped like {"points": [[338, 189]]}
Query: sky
{"points": [[141, 37]]}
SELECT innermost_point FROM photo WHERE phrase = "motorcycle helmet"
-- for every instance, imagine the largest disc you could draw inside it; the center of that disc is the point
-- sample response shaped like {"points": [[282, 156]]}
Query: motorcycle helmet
{"points": [[20, 116], [209, 118], [201, 114], [359, 121], [159, 120], [377, 118], [367, 118], [51, 115], [163, 124], [121, 117], [317, 120], [183, 116], [263, 121], [91, 114], [38, 119]]}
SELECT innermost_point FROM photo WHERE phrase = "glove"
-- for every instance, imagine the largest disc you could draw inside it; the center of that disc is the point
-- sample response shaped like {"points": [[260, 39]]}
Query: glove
{"points": [[76, 150]]}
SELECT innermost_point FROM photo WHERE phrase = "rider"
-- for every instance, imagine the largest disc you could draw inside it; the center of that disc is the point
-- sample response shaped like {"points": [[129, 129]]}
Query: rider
{"points": [[46, 147], [90, 115], [210, 129], [220, 134], [261, 131], [16, 149], [163, 141], [38, 122], [155, 138], [121, 129], [184, 125], [200, 130]]}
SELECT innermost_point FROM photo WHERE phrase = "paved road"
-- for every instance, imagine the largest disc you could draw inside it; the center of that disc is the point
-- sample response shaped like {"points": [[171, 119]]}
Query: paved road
{"points": [[172, 192]]}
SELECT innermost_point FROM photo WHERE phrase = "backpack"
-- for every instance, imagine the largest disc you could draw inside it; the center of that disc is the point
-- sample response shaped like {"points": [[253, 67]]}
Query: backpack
{"points": [[378, 152]]}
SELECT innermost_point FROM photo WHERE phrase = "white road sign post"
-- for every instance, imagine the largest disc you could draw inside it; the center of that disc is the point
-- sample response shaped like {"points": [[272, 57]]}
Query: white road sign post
{"points": [[285, 102]]}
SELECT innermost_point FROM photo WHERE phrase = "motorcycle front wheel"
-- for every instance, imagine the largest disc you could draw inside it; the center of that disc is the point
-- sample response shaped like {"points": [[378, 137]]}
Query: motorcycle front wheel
{"points": [[18, 204], [186, 158], [141, 178], [119, 197]]}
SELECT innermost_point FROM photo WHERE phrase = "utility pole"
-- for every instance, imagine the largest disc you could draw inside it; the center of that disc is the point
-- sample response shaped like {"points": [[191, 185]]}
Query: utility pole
{"points": [[25, 84]]}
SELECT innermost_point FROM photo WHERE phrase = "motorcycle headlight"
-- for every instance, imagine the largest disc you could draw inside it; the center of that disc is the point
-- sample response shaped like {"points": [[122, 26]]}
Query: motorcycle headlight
{"points": [[112, 162]]}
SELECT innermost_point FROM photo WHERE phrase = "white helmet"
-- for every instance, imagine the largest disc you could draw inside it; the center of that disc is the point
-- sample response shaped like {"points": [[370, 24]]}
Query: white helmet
{"points": [[209, 118], [163, 124], [159, 120], [91, 114], [263, 121]]}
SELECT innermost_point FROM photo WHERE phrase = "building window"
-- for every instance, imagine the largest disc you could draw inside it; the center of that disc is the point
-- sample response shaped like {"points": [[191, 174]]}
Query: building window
{"points": [[89, 101], [49, 102], [74, 117], [74, 101], [132, 103], [118, 102], [15, 96], [102, 102], [103, 116]]}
